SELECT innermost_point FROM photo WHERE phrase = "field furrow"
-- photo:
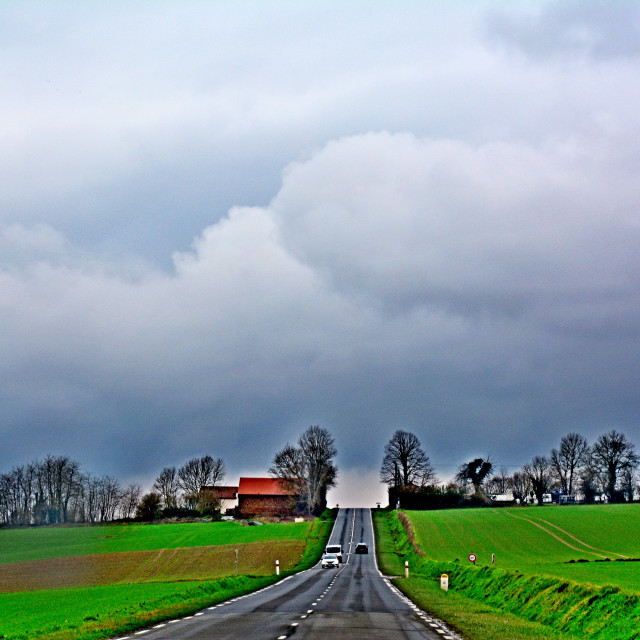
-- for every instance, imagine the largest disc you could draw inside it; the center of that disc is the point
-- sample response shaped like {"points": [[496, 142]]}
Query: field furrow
{"points": [[191, 563]]}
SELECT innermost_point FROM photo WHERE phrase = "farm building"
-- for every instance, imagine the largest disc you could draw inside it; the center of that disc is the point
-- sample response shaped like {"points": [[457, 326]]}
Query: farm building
{"points": [[265, 497], [228, 497]]}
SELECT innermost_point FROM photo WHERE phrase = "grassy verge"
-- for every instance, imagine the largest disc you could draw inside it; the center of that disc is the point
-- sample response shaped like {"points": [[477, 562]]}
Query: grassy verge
{"points": [[494, 604], [317, 539], [106, 611]]}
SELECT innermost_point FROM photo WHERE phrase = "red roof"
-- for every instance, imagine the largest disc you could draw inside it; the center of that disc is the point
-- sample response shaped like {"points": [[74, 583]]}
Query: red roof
{"points": [[224, 493], [263, 487]]}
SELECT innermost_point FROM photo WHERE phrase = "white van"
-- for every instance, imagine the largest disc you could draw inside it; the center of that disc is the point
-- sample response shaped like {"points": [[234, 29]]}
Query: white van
{"points": [[334, 549]]}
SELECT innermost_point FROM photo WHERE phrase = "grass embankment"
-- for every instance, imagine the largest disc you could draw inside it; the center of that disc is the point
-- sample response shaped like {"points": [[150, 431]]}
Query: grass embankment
{"points": [[487, 603], [585, 544], [171, 588]]}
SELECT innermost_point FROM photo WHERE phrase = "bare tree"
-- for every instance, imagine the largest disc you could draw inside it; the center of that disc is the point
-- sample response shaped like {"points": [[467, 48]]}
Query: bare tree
{"points": [[5, 509], [167, 485], [17, 498], [91, 490], [475, 472], [318, 450], [288, 464], [628, 482], [129, 499], [539, 473], [109, 493], [520, 485], [58, 480], [590, 481], [498, 483], [308, 468], [567, 461], [197, 473], [612, 454], [405, 463]]}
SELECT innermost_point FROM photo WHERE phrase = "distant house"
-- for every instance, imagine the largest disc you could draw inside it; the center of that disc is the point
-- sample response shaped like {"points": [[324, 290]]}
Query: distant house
{"points": [[228, 497], [502, 497], [265, 497]]}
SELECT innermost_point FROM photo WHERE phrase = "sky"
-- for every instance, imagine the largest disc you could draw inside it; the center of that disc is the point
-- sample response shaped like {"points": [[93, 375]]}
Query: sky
{"points": [[223, 222]]}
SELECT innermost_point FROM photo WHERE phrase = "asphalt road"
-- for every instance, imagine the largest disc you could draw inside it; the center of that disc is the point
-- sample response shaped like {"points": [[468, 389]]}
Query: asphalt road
{"points": [[352, 602]]}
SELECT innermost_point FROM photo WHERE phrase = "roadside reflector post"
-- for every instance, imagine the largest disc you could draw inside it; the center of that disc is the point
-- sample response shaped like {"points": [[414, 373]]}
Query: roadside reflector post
{"points": [[277, 567], [444, 582], [493, 558], [236, 562], [406, 568]]}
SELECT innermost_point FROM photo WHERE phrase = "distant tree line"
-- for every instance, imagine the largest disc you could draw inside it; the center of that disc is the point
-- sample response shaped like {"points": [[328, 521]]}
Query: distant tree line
{"points": [[605, 470], [56, 490]]}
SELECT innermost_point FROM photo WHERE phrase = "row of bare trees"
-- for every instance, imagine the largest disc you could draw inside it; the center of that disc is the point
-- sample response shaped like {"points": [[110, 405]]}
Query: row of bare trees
{"points": [[182, 487], [608, 468], [56, 490], [576, 468]]}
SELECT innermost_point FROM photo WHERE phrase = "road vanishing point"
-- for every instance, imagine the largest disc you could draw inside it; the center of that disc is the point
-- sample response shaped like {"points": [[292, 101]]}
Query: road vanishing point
{"points": [[353, 602]]}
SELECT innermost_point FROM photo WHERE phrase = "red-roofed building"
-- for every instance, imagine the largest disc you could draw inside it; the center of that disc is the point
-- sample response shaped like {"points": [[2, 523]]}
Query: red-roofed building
{"points": [[227, 497], [265, 497]]}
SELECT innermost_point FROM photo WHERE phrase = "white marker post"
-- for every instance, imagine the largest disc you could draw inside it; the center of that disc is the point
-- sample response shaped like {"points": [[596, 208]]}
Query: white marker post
{"points": [[406, 568], [277, 567], [444, 582]]}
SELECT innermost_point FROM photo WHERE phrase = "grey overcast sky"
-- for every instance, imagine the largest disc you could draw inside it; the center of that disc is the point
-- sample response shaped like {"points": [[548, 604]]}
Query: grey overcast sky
{"points": [[223, 222]]}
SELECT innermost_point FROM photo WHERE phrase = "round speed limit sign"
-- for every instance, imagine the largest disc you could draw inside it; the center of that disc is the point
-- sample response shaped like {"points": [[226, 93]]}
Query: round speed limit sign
{"points": [[472, 557]]}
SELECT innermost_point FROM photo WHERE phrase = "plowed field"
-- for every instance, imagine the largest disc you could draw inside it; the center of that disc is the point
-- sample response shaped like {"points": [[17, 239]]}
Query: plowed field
{"points": [[191, 563]]}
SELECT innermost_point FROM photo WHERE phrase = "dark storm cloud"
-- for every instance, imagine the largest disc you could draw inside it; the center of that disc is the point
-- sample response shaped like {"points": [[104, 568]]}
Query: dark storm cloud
{"points": [[467, 293], [233, 223]]}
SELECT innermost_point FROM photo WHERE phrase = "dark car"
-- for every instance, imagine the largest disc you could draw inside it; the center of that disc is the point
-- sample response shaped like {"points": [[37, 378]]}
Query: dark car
{"points": [[362, 547]]}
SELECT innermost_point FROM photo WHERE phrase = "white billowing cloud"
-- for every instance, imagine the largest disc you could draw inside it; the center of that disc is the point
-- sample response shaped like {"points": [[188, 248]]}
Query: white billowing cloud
{"points": [[443, 223], [393, 282], [28, 243]]}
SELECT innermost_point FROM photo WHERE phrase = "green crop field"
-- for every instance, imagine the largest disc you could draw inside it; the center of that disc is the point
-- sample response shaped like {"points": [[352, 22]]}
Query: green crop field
{"points": [[540, 540], [559, 573], [86, 582], [19, 545]]}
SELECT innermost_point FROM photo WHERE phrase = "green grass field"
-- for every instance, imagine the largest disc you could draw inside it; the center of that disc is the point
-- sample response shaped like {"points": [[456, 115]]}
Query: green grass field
{"points": [[540, 540], [472, 619], [558, 574], [19, 545], [125, 577], [107, 611]]}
